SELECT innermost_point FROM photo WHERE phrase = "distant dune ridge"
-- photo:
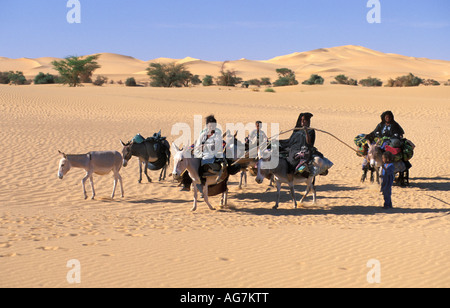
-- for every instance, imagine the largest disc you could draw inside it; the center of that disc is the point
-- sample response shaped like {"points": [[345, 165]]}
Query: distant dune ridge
{"points": [[354, 61]]}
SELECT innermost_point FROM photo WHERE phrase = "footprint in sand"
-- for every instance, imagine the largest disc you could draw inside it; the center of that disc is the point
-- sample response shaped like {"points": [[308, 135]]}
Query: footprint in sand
{"points": [[224, 259], [5, 245], [49, 248], [12, 254], [89, 244]]}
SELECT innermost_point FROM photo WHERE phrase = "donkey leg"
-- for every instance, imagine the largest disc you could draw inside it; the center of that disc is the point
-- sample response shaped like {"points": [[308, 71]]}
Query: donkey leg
{"points": [[92, 186], [224, 199], [309, 185], [114, 186], [278, 195], [145, 171], [291, 187], [83, 181], [364, 176], [205, 197], [121, 184], [271, 181], [194, 208], [140, 171]]}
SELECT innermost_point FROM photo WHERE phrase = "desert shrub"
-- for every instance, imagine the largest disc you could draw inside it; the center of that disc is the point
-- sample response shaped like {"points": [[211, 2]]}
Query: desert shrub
{"points": [[265, 81], [228, 79], [342, 79], [254, 82], [168, 75], [313, 80], [4, 78], [195, 80], [405, 81], [431, 82], [286, 77], [42, 78], [17, 78], [130, 82], [371, 82], [284, 81], [75, 70], [447, 83], [100, 80], [208, 81], [270, 90]]}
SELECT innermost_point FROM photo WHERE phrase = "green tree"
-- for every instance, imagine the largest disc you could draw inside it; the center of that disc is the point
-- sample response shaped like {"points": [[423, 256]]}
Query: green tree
{"points": [[42, 78], [371, 82], [130, 82], [313, 80], [228, 78], [75, 70], [168, 75], [342, 79], [17, 78], [208, 81], [286, 77]]}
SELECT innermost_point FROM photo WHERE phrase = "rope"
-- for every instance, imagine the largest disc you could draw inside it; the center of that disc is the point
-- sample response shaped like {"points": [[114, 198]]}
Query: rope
{"points": [[298, 128]]}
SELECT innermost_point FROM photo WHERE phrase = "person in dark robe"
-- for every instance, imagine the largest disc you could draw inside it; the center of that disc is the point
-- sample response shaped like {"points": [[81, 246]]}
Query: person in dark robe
{"points": [[387, 128], [302, 140]]}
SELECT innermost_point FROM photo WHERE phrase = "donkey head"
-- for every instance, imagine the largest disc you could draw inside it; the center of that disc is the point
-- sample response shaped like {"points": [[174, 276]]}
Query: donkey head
{"points": [[180, 163], [262, 156], [64, 165], [373, 154], [126, 152]]}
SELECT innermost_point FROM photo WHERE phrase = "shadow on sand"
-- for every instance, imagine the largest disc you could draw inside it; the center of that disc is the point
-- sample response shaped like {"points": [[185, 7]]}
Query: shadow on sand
{"points": [[431, 184], [337, 210]]}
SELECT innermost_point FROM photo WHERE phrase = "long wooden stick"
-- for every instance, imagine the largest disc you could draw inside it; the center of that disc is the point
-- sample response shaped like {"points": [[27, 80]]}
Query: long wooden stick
{"points": [[299, 128]]}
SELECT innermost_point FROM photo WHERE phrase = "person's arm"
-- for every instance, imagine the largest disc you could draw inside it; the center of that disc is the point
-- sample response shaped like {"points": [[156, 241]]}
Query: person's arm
{"points": [[372, 135], [307, 136]]}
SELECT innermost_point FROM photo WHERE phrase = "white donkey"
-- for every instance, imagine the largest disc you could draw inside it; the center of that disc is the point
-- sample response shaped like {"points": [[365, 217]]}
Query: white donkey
{"points": [[281, 175], [100, 163], [183, 161]]}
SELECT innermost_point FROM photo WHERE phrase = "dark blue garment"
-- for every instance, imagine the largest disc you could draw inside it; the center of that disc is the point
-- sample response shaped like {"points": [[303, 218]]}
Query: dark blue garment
{"points": [[386, 184]]}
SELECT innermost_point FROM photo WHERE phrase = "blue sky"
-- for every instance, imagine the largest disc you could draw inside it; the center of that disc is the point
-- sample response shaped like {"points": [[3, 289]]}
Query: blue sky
{"points": [[221, 30]]}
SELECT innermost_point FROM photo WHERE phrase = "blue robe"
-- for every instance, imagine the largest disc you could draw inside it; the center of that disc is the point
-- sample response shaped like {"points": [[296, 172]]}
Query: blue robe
{"points": [[386, 184]]}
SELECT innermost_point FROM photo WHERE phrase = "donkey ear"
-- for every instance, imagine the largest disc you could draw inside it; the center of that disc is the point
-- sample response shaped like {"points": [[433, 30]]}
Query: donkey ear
{"points": [[122, 142], [63, 154], [175, 147]]}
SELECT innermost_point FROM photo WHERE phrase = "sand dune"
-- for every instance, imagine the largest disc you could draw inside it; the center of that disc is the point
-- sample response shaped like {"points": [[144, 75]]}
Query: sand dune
{"points": [[354, 61], [149, 238]]}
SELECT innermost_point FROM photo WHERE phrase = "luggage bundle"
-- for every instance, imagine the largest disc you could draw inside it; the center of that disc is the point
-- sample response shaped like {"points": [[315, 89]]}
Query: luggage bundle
{"points": [[360, 142], [402, 150]]}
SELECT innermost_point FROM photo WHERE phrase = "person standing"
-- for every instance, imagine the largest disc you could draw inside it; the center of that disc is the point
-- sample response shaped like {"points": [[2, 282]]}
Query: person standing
{"points": [[388, 179]]}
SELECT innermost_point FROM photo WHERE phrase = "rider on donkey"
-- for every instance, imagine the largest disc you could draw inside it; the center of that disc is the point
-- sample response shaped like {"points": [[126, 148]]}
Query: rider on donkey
{"points": [[209, 147], [389, 130], [301, 144]]}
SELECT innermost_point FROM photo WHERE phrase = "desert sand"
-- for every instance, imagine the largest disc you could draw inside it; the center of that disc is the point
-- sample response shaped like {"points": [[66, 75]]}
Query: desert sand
{"points": [[150, 238]]}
